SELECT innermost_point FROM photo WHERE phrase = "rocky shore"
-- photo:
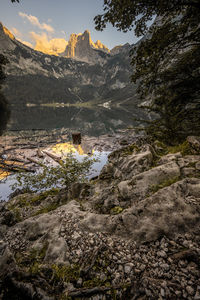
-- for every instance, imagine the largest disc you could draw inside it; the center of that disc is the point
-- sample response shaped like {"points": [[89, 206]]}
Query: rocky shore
{"points": [[131, 233]]}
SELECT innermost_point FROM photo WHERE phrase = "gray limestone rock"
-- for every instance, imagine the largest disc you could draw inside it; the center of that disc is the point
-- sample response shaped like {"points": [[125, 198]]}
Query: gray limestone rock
{"points": [[133, 227]]}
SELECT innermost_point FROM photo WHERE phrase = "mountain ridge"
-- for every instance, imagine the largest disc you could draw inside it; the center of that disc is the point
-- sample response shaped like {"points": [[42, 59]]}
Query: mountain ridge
{"points": [[35, 77], [79, 46]]}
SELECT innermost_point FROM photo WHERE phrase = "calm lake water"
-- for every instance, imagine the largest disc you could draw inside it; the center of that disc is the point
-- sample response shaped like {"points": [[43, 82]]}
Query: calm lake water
{"points": [[101, 159], [93, 121]]}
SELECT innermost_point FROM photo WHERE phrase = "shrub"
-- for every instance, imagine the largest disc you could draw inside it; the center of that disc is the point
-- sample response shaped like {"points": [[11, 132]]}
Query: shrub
{"points": [[68, 171]]}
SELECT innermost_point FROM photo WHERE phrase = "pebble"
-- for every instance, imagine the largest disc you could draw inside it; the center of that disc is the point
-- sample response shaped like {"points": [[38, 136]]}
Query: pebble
{"points": [[162, 292], [162, 254], [190, 290], [127, 269], [166, 267]]}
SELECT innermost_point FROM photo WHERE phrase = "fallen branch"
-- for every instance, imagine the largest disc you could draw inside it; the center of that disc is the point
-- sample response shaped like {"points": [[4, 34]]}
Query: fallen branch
{"points": [[92, 291], [17, 160], [35, 161], [53, 156], [15, 168], [39, 153]]}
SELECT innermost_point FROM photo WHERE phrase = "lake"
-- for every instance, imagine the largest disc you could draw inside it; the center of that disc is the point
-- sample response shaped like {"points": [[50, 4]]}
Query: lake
{"points": [[91, 121]]}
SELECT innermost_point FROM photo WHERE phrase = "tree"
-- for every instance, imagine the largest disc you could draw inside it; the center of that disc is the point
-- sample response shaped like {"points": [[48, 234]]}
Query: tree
{"points": [[68, 171], [4, 110], [166, 61]]}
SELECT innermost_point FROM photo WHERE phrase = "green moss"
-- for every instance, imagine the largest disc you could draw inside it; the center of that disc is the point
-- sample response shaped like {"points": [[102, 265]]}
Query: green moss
{"points": [[184, 148], [168, 182], [34, 268], [114, 294], [66, 273], [42, 196], [98, 206], [32, 260], [46, 209], [130, 149], [116, 210], [65, 297], [192, 164], [29, 200], [160, 148], [42, 251], [93, 283], [17, 214]]}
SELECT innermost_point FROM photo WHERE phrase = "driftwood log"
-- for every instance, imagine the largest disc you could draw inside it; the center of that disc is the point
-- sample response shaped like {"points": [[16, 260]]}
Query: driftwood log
{"points": [[56, 158], [14, 168], [39, 153], [35, 161]]}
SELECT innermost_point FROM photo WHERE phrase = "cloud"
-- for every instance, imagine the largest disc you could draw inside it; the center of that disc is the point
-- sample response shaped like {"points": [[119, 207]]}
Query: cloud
{"points": [[25, 43], [34, 21], [53, 46], [16, 32]]}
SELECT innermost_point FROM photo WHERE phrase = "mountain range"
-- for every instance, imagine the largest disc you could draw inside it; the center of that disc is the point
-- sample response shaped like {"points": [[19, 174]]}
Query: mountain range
{"points": [[83, 72]]}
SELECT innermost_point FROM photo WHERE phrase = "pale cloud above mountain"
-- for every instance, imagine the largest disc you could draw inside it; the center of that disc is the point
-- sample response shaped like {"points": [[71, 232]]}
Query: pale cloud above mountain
{"points": [[34, 21], [16, 32], [43, 44], [18, 35], [26, 43]]}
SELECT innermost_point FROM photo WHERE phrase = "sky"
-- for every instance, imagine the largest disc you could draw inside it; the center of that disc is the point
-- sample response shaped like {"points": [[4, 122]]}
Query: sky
{"points": [[32, 19]]}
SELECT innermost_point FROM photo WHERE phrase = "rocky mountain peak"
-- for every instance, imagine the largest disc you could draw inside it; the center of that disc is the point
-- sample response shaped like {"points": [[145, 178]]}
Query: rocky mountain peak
{"points": [[4, 30], [100, 46], [87, 34], [82, 47], [6, 38]]}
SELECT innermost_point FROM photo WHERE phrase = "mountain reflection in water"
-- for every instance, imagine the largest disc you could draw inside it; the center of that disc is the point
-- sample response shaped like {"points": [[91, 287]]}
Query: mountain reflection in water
{"points": [[93, 121]]}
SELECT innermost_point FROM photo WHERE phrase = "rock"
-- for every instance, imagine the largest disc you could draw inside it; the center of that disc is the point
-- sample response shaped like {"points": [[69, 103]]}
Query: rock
{"points": [[194, 142], [127, 269], [197, 166], [197, 295], [81, 46], [82, 246], [6, 259], [161, 254], [190, 290], [123, 142], [162, 292], [8, 218], [78, 190], [165, 267], [188, 171]]}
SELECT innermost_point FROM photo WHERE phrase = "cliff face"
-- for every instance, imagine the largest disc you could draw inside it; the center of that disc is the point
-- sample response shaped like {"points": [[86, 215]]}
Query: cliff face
{"points": [[6, 38], [81, 46]]}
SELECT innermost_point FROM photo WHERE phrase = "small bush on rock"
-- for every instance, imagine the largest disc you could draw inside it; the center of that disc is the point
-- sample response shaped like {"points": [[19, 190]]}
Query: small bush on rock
{"points": [[68, 171]]}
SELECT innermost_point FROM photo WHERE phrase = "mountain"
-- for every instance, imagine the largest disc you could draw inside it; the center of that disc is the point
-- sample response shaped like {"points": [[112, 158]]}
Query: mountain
{"points": [[82, 47], [91, 75]]}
